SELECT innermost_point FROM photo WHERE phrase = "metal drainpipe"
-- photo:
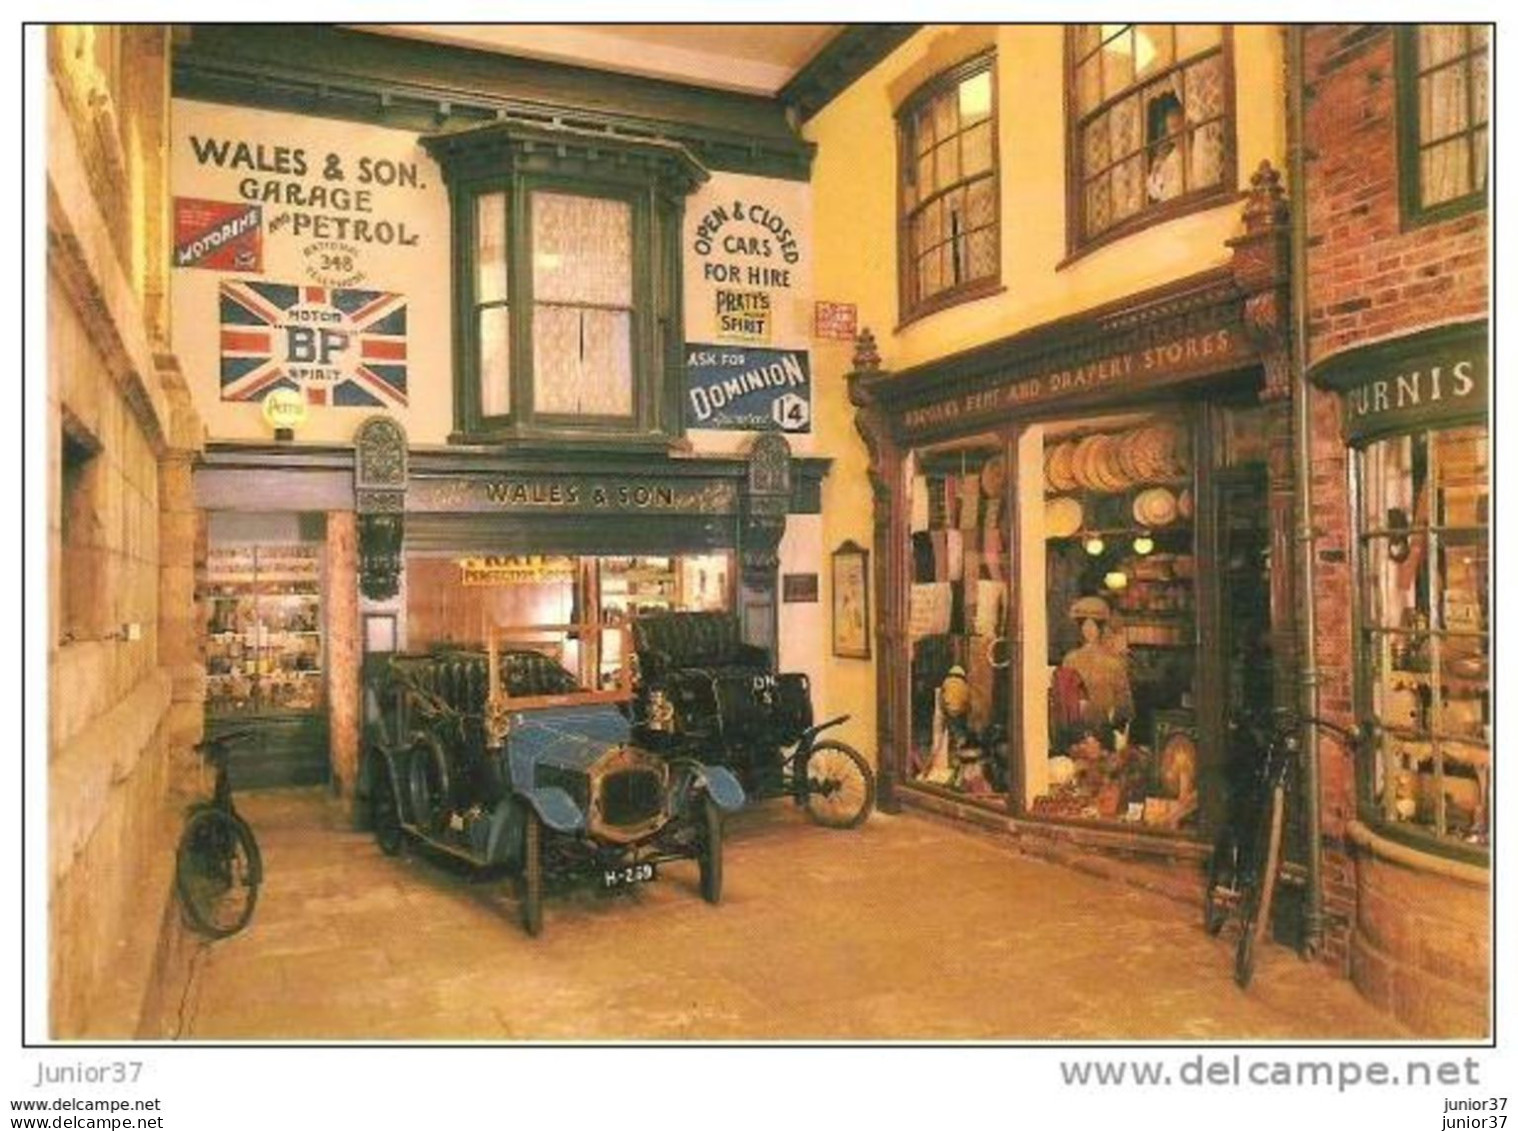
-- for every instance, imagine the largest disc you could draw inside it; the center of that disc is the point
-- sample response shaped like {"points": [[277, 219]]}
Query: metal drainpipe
{"points": [[1307, 661]]}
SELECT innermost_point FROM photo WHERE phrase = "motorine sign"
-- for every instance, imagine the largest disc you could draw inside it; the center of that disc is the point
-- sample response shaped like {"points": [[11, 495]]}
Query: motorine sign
{"points": [[218, 235]]}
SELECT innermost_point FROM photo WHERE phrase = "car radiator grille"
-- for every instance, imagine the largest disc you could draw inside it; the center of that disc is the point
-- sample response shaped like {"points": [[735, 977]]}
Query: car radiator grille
{"points": [[631, 797]]}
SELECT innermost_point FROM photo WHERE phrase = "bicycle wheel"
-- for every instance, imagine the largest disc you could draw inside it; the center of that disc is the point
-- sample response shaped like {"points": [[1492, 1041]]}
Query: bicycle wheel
{"points": [[840, 785], [1222, 875], [217, 872], [1263, 885]]}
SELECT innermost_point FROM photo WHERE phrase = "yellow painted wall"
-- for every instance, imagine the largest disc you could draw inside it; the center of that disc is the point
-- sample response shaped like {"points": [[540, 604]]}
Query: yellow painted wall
{"points": [[854, 217]]}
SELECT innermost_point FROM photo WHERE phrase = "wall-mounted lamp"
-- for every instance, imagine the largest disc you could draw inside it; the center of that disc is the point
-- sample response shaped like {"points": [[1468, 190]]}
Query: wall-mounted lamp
{"points": [[284, 411]]}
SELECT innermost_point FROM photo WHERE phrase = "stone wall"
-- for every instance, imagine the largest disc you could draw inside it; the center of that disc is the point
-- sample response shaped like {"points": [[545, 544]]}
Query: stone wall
{"points": [[121, 582], [1372, 277]]}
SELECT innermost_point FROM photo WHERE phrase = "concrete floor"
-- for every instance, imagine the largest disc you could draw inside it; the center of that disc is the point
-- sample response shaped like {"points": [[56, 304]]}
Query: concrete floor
{"points": [[908, 928]]}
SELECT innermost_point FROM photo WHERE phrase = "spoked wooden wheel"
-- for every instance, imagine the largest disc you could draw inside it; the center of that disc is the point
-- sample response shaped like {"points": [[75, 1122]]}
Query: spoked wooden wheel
{"points": [[532, 876], [384, 812], [710, 858], [840, 785]]}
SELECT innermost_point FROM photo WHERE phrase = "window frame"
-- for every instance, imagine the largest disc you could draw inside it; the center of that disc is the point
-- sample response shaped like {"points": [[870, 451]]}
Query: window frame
{"points": [[945, 80], [1368, 759], [1410, 138], [1077, 244], [653, 178]]}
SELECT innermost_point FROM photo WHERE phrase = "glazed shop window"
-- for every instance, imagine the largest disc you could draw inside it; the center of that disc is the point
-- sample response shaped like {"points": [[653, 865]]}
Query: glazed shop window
{"points": [[949, 240], [1443, 87], [1426, 632], [1151, 124], [959, 606], [1119, 615], [567, 279]]}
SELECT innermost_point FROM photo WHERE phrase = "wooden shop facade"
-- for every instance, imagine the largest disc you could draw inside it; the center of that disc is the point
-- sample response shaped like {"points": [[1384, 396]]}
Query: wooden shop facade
{"points": [[528, 347], [1082, 544]]}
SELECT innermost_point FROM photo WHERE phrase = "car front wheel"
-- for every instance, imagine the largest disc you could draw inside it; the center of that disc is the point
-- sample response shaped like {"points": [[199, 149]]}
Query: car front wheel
{"points": [[710, 858]]}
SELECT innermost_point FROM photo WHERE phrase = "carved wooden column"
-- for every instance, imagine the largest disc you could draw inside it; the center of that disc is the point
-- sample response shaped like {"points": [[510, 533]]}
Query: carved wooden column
{"points": [[379, 474], [766, 503], [892, 649], [1262, 272]]}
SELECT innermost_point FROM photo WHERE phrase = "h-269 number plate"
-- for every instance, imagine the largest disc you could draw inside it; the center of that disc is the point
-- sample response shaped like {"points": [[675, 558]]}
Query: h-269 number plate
{"points": [[628, 875]]}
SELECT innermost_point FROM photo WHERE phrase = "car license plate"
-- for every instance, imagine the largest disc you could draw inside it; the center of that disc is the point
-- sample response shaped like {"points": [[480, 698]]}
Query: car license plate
{"points": [[628, 876]]}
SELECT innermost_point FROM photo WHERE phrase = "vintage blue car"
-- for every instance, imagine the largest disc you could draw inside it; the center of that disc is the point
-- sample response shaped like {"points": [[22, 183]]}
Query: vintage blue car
{"points": [[501, 757]]}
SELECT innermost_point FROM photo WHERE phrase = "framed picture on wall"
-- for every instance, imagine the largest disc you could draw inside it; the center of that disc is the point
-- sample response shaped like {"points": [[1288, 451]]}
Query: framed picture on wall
{"points": [[851, 602]]}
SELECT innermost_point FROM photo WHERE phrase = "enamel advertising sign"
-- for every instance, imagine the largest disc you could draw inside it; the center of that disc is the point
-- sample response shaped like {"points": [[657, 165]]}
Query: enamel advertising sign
{"points": [[748, 305]]}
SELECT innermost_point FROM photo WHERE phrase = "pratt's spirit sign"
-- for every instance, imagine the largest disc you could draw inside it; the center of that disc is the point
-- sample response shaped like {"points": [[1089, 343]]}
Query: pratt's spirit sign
{"points": [[747, 263], [490, 569], [1207, 351]]}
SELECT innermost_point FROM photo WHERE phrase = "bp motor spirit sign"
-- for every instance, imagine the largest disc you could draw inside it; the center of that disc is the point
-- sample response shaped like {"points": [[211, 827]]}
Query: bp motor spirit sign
{"points": [[748, 389], [337, 346]]}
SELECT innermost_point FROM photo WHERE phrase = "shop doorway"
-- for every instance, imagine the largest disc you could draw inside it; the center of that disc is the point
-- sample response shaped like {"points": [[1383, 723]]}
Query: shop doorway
{"points": [[266, 671]]}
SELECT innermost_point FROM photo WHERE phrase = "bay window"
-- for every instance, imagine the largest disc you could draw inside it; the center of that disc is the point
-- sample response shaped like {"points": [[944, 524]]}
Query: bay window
{"points": [[567, 252]]}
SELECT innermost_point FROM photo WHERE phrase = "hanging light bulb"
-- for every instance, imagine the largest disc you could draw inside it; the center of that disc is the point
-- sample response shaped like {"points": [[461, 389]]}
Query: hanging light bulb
{"points": [[1143, 544], [1116, 579], [1094, 544]]}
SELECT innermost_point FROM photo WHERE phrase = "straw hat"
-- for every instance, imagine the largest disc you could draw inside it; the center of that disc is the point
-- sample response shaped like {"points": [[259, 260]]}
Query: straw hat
{"points": [[1089, 608]]}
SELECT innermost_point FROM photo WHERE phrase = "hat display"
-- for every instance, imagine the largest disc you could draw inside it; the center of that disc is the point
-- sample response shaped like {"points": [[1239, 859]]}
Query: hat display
{"points": [[1090, 608], [1062, 517]]}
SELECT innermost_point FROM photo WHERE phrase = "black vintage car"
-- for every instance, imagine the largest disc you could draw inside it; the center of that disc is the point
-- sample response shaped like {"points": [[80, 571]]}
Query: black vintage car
{"points": [[702, 692], [501, 757]]}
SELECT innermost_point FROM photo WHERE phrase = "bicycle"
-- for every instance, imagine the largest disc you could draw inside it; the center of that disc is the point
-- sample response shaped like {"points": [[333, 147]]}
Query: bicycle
{"points": [[217, 865], [1245, 867]]}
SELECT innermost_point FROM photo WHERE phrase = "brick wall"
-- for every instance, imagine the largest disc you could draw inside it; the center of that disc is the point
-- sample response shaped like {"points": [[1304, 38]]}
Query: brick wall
{"points": [[1368, 280]]}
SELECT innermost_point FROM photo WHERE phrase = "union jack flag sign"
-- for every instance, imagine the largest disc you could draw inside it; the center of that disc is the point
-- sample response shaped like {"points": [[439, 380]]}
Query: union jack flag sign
{"points": [[337, 346]]}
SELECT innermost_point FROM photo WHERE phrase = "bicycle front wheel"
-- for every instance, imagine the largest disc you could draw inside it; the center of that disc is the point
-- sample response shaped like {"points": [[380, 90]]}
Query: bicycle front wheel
{"points": [[1257, 907], [840, 787], [217, 872]]}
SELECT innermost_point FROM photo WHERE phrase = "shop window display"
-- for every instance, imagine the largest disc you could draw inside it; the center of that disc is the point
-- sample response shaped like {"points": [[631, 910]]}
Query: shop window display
{"points": [[1425, 630], [264, 637], [1120, 609], [959, 603]]}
